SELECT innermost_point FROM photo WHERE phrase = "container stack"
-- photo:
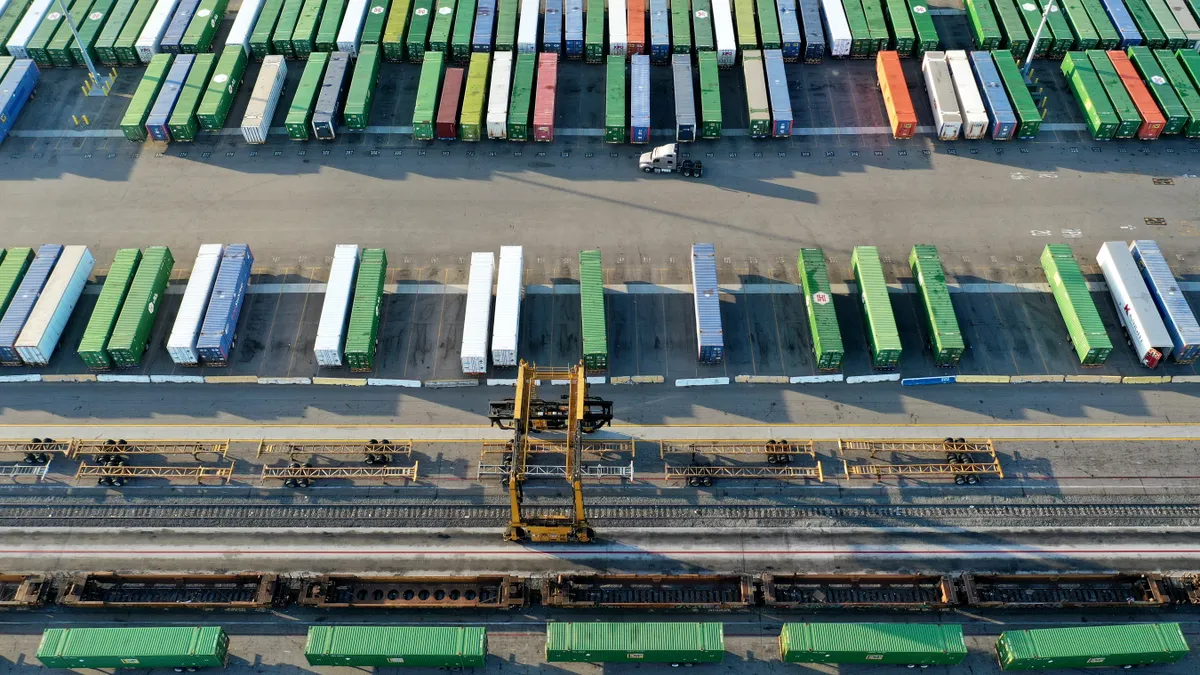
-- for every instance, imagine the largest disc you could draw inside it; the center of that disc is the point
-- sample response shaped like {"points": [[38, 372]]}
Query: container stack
{"points": [[93, 348], [510, 290], [42, 330], [218, 333], [181, 344], [131, 335]]}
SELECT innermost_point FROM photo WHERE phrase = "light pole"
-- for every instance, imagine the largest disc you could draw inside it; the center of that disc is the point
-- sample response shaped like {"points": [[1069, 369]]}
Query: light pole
{"points": [[99, 85], [1050, 7]]}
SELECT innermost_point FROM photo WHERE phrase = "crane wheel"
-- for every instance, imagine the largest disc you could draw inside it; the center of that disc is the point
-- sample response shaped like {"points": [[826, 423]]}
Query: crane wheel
{"points": [[514, 534]]}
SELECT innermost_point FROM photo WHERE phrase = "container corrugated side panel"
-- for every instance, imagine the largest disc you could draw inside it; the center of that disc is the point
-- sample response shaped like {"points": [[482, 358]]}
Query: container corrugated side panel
{"points": [[639, 99], [1172, 304], [1129, 119], [593, 32], [158, 647], [131, 335], [879, 320], [374, 22], [173, 35], [357, 112], [510, 290], [943, 100], [42, 331], [264, 98], [497, 113], [1088, 336], [927, 35], [685, 97], [181, 344], [592, 320], [18, 42], [941, 322], [352, 25], [298, 121], [837, 28], [673, 642], [1029, 116], [702, 30], [544, 100], [407, 646], [24, 299], [418, 30], [527, 26], [133, 122], [362, 330], [478, 316], [506, 25], [471, 123], [329, 25], [723, 32], [10, 19], [93, 347], [335, 309], [822, 315], [814, 33], [781, 99], [768, 24], [1091, 646], [428, 90], [219, 329], [1003, 119], [12, 271], [1188, 96], [522, 97], [214, 106], [182, 124], [395, 28], [710, 95], [1134, 304], [909, 644], [706, 294], [1164, 94], [970, 105], [264, 28], [463, 30]]}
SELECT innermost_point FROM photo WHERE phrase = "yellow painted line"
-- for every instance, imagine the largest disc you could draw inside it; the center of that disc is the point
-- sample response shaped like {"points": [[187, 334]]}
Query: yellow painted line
{"points": [[1035, 379], [981, 379], [624, 379], [341, 381], [1146, 379], [81, 377], [647, 379]]}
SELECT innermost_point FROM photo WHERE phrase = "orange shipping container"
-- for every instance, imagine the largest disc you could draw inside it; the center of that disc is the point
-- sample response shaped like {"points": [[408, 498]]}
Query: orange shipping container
{"points": [[636, 11], [1153, 120], [901, 114]]}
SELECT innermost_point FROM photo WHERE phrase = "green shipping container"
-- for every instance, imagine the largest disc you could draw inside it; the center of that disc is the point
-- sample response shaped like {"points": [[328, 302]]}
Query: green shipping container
{"points": [[984, 28], [1091, 646], [264, 27], [43, 39], [471, 120], [1016, 38], [1029, 117], [1085, 330], [595, 642], [396, 646], [93, 348], [1031, 14], [464, 25], [357, 113], [883, 339], [927, 35], [281, 39], [131, 335], [681, 27], [393, 33], [876, 25], [304, 37], [182, 123], [1164, 94], [904, 36], [1080, 24], [941, 324], [1189, 61], [905, 644], [1064, 39], [506, 25], [1152, 35], [418, 30], [522, 97], [363, 329], [592, 319], [133, 124], [428, 88], [861, 40], [710, 95], [1184, 89], [327, 29], [702, 28], [300, 112], [190, 647], [105, 45], [374, 23], [593, 49], [615, 121], [1129, 120], [12, 270], [1089, 94], [443, 19], [1106, 32], [124, 46], [198, 37], [218, 97], [9, 19], [822, 315], [743, 19], [1166, 21], [768, 25], [89, 32]]}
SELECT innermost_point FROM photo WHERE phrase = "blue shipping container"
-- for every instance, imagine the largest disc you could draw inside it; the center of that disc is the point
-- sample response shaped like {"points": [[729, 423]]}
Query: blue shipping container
{"points": [[710, 339], [1172, 305], [552, 27], [777, 89], [156, 123], [639, 99], [660, 32], [485, 26], [1130, 36], [573, 30], [179, 23], [814, 32], [789, 30], [219, 329], [15, 90], [995, 99], [25, 298]]}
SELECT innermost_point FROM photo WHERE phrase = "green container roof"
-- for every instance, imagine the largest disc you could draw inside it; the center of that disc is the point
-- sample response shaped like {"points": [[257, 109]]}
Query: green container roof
{"points": [[132, 330], [82, 643], [873, 638], [869, 274], [364, 313], [108, 306], [822, 316], [12, 270], [591, 294], [675, 637], [1065, 643], [467, 643], [1062, 270], [926, 267]]}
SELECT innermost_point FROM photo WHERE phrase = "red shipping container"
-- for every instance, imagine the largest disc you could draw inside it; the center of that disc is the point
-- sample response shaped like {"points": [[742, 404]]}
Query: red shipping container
{"points": [[1153, 120], [446, 128], [901, 114], [636, 11], [543, 102]]}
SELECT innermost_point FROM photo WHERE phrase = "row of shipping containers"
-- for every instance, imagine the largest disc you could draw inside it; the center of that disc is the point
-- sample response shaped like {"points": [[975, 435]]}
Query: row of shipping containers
{"points": [[18, 79], [38, 295], [205, 329], [118, 331], [505, 326], [457, 647], [980, 95], [1137, 93]]}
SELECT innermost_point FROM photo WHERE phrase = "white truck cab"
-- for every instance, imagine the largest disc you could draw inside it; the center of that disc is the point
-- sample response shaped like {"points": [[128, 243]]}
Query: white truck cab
{"points": [[660, 160]]}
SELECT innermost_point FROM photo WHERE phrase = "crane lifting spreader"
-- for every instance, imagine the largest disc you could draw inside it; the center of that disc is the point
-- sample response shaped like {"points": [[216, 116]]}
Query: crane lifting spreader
{"points": [[526, 413]]}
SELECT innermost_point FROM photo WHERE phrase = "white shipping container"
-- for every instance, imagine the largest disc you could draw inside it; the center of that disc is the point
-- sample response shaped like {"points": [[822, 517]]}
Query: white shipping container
{"points": [[837, 27], [497, 114], [352, 21], [618, 29], [18, 42], [40, 335], [243, 24], [331, 330], [527, 28], [970, 103], [4, 5], [723, 30], [938, 84], [1135, 306], [264, 99], [181, 345], [478, 314], [510, 289], [152, 34]]}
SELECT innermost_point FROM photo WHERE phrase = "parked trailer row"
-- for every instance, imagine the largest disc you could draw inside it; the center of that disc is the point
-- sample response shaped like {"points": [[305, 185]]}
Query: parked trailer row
{"points": [[44, 326], [23, 301], [93, 347], [1135, 307], [510, 291], [335, 309], [181, 345], [131, 335], [478, 318], [1177, 315]]}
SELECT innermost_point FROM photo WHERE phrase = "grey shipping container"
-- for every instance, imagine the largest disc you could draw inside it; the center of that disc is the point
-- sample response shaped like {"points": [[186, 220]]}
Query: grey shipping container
{"points": [[777, 88], [23, 301], [685, 98], [573, 28], [164, 105], [218, 334], [710, 339], [790, 36], [1003, 121], [178, 26], [1173, 306], [660, 32], [552, 26], [485, 26], [331, 97], [814, 32], [639, 98]]}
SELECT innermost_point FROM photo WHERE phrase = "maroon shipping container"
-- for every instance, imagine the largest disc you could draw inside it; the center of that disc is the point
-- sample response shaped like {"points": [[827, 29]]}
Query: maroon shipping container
{"points": [[446, 128], [543, 104]]}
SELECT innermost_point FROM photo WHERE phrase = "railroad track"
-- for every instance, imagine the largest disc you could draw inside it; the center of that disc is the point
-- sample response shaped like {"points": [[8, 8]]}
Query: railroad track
{"points": [[611, 516]]}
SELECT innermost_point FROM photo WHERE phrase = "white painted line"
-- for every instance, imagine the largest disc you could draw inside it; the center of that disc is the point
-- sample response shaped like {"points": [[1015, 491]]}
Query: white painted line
{"points": [[20, 378], [106, 377], [817, 379], [285, 380], [701, 381], [377, 382], [881, 377], [499, 382], [177, 379], [596, 379]]}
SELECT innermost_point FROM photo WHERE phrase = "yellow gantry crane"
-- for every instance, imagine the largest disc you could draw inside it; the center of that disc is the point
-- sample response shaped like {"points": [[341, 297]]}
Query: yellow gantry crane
{"points": [[526, 414]]}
